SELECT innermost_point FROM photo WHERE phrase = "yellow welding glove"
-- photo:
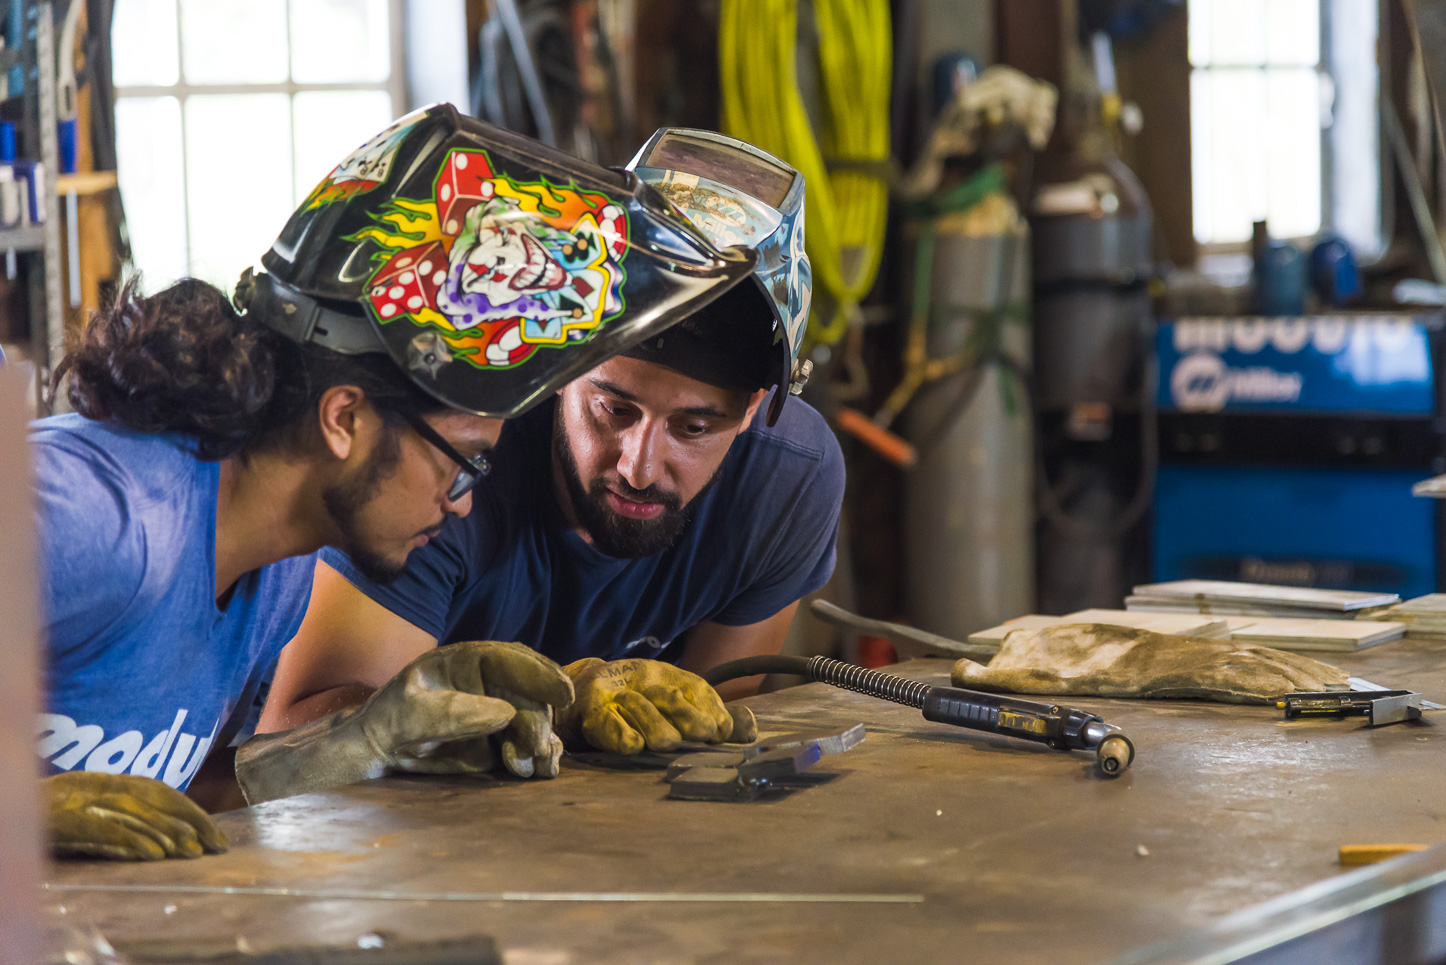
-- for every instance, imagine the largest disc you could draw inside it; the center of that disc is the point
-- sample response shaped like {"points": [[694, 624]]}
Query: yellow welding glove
{"points": [[441, 713], [126, 817], [623, 706]]}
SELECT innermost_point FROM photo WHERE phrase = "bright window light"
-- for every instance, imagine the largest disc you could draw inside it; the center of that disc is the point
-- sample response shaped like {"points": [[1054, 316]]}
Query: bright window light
{"points": [[1284, 119], [229, 111]]}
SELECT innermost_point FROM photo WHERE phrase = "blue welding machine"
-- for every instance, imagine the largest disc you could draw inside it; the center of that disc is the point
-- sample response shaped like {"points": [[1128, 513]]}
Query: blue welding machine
{"points": [[1288, 447]]}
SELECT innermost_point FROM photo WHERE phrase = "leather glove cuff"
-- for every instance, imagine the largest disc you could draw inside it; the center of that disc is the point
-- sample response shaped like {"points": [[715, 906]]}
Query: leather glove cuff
{"points": [[567, 721], [324, 753]]}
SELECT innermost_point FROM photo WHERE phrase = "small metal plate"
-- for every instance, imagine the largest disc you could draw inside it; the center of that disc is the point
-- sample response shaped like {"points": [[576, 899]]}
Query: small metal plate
{"points": [[829, 741], [785, 762], [714, 784]]}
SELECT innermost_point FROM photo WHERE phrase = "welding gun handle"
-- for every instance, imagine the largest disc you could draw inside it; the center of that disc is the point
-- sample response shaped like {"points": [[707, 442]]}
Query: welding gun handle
{"points": [[989, 712], [1064, 728]]}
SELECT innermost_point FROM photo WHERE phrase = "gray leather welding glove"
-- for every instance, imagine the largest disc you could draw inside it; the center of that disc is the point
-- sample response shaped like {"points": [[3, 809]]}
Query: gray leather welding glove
{"points": [[527, 747], [440, 714], [623, 706], [125, 817], [1109, 661]]}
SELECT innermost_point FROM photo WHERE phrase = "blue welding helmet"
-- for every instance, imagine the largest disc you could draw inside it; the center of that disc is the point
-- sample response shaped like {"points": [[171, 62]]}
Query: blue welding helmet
{"points": [[491, 268], [739, 196]]}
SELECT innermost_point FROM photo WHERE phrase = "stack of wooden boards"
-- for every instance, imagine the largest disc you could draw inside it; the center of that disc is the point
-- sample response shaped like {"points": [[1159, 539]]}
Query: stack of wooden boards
{"points": [[1282, 633], [1185, 626], [1424, 617], [1219, 597], [1284, 617]]}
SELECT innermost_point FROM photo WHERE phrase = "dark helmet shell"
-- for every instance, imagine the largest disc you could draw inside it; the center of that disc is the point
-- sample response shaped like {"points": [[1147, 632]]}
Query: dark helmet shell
{"points": [[492, 268]]}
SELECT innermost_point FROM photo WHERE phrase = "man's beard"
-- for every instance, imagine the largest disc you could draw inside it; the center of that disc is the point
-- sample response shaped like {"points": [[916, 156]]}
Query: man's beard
{"points": [[611, 532], [345, 499]]}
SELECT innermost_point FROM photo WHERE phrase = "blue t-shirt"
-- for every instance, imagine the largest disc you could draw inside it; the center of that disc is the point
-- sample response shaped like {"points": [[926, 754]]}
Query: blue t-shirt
{"points": [[760, 538], [143, 669]]}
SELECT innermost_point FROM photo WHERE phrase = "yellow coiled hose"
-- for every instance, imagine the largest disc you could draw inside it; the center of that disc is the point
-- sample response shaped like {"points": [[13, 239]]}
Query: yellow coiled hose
{"points": [[844, 210]]}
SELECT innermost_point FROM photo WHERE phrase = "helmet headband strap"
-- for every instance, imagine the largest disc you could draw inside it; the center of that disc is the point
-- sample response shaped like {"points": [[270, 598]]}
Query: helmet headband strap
{"points": [[302, 318]]}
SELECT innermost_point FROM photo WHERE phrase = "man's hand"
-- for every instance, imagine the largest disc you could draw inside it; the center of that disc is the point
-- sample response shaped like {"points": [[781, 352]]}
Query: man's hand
{"points": [[122, 816], [626, 705], [435, 716], [430, 718], [527, 746]]}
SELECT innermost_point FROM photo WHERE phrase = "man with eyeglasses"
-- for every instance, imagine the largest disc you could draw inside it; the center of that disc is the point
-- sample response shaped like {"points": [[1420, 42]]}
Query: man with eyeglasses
{"points": [[664, 514], [351, 403]]}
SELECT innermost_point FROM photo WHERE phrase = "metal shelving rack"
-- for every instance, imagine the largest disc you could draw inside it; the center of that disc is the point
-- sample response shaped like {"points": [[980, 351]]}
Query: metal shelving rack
{"points": [[31, 237], [41, 242]]}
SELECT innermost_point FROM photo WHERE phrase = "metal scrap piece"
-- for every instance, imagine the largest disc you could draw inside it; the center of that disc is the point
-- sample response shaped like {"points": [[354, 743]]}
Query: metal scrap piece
{"points": [[1394, 709], [781, 763], [687, 762], [714, 784], [747, 775], [829, 741]]}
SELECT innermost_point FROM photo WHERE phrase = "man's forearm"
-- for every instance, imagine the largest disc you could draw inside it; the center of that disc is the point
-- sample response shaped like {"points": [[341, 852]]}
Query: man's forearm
{"points": [[214, 787], [739, 688], [709, 644], [313, 707]]}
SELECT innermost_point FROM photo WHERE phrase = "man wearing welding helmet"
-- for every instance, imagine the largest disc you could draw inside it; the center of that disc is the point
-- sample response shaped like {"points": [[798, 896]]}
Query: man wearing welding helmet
{"points": [[444, 277], [664, 514]]}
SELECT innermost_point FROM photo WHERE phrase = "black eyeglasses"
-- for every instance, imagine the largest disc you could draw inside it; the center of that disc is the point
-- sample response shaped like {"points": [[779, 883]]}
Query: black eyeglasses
{"points": [[470, 470]]}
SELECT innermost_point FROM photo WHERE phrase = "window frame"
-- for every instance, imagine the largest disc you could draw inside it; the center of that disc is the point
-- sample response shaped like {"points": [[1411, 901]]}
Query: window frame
{"points": [[1325, 67], [395, 85]]}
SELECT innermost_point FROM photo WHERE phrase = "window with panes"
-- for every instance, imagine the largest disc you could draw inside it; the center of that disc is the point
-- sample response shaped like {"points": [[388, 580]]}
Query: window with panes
{"points": [[1285, 119], [229, 111]]}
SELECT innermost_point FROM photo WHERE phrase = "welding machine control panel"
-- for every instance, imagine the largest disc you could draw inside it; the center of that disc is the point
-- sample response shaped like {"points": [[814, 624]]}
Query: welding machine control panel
{"points": [[1326, 363]]}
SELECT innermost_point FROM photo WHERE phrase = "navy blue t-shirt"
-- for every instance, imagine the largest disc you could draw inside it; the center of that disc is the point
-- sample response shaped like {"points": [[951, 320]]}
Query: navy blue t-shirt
{"points": [[143, 669], [760, 538]]}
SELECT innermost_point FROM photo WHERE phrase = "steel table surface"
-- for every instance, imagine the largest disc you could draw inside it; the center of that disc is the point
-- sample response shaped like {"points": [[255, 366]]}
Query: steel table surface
{"points": [[990, 849]]}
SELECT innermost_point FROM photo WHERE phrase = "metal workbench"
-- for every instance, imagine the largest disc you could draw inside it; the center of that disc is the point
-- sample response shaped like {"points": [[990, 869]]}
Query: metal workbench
{"points": [[931, 844]]}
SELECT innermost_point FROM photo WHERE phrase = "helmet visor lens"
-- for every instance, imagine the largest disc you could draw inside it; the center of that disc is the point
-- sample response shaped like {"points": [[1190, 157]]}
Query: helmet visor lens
{"points": [[749, 173]]}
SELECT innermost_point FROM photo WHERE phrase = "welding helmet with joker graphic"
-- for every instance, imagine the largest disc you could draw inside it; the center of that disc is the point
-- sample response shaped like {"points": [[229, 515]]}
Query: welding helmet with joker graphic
{"points": [[492, 268], [740, 196]]}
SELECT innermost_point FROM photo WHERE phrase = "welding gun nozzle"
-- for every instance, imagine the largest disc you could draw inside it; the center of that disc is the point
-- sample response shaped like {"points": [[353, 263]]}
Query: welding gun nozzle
{"points": [[1115, 754]]}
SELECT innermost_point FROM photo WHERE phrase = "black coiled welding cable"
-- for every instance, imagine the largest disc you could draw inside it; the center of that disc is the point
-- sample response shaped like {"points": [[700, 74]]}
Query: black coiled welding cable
{"points": [[845, 676]]}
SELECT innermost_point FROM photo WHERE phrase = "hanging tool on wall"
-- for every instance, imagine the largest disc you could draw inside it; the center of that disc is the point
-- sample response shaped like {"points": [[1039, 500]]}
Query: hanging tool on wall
{"points": [[1063, 728], [94, 75], [1004, 114], [67, 112], [502, 78], [984, 342], [551, 69], [847, 165], [1094, 327]]}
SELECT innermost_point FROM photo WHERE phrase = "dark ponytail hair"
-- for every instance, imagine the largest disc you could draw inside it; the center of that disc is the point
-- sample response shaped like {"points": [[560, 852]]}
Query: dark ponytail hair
{"points": [[184, 361]]}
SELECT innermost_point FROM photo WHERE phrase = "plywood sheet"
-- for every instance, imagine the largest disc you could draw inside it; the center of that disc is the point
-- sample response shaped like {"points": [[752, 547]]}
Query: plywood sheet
{"points": [[1346, 635], [1265, 594], [1183, 624]]}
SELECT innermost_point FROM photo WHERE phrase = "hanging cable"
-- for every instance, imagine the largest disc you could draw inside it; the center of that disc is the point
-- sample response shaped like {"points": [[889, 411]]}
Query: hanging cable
{"points": [[846, 168], [527, 70]]}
